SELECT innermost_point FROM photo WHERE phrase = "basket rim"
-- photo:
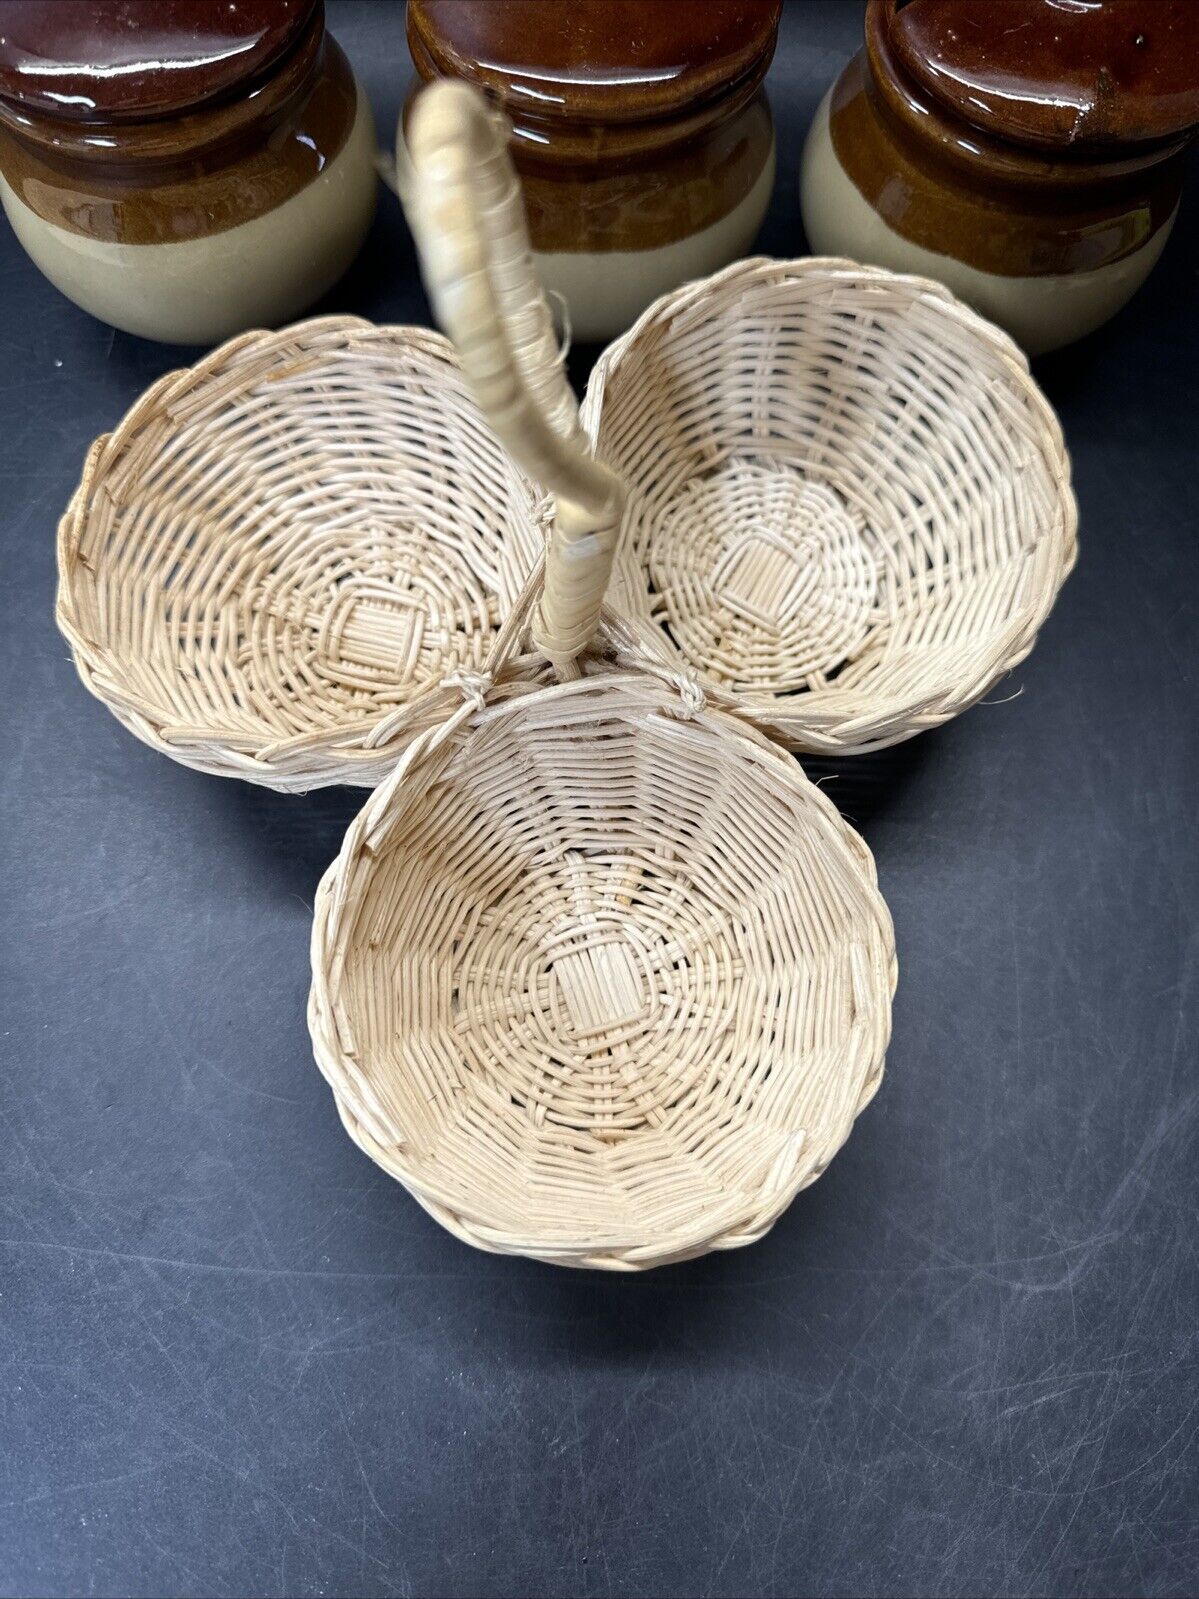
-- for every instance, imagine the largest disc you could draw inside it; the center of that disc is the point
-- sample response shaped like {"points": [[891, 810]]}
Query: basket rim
{"points": [[811, 721], [336, 1049], [350, 752]]}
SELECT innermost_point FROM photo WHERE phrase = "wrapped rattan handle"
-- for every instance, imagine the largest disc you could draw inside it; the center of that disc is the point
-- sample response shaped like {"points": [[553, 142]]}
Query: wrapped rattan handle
{"points": [[464, 205]]}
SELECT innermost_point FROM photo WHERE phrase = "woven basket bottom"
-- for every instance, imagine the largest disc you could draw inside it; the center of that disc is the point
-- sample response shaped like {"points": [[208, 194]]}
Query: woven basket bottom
{"points": [[762, 575], [278, 555], [363, 619], [397, 611], [604, 1019]]}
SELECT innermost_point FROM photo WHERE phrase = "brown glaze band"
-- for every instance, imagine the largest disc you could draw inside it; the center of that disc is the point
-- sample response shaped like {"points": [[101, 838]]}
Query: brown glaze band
{"points": [[970, 150], [559, 142], [106, 61], [645, 206], [643, 185], [942, 185], [1081, 78], [188, 177], [161, 146]]}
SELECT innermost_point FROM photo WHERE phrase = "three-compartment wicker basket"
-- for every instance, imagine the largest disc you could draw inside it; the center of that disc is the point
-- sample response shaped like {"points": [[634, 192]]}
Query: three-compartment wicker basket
{"points": [[598, 974]]}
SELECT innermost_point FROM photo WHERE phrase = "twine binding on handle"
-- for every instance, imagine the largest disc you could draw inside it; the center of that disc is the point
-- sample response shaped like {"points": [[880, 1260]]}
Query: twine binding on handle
{"points": [[467, 214]]}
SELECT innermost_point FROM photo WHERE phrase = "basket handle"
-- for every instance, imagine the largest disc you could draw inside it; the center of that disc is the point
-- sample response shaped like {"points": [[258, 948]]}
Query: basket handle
{"points": [[464, 206]]}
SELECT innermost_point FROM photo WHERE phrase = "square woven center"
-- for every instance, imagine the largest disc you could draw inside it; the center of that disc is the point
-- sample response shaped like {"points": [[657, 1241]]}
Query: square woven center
{"points": [[377, 625], [764, 578], [596, 987]]}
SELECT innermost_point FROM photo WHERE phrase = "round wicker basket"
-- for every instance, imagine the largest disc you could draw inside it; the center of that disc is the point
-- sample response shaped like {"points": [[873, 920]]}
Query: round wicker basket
{"points": [[598, 974], [281, 552], [603, 980], [849, 504]]}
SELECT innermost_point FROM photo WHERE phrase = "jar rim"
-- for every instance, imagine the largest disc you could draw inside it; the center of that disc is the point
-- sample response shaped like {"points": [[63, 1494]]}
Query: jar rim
{"points": [[200, 131], [142, 62], [1089, 79], [961, 144], [557, 83]]}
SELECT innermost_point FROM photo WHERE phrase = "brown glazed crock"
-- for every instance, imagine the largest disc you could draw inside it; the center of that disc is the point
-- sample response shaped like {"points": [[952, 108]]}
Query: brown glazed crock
{"points": [[1030, 153], [641, 132], [183, 168]]}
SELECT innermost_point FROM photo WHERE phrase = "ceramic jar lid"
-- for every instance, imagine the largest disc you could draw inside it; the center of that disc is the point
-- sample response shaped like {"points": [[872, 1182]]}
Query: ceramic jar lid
{"points": [[1083, 74], [114, 60], [595, 60]]}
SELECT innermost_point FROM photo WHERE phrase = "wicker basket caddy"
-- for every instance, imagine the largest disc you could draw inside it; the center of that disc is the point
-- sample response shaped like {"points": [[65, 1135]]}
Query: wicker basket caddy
{"points": [[598, 974], [272, 564], [849, 504]]}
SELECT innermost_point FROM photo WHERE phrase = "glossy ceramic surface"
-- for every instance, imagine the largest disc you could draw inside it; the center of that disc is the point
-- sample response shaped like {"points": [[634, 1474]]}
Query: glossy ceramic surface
{"points": [[600, 60], [1056, 73], [184, 178], [96, 60], [1029, 208], [238, 208]]}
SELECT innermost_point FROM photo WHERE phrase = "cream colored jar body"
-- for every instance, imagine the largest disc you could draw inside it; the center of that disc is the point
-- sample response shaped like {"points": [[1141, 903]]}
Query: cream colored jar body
{"points": [[607, 291]]}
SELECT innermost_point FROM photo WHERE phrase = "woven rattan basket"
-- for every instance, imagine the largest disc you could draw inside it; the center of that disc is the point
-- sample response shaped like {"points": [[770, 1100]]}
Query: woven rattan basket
{"points": [[598, 974], [275, 560], [849, 504]]}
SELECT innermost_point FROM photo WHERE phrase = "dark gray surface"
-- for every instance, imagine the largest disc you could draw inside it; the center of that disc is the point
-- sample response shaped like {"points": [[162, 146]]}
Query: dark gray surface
{"points": [[236, 1358]]}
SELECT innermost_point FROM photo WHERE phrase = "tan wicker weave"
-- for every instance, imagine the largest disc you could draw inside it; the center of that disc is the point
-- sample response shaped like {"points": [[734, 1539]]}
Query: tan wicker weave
{"points": [[849, 504], [281, 552], [598, 974], [600, 984]]}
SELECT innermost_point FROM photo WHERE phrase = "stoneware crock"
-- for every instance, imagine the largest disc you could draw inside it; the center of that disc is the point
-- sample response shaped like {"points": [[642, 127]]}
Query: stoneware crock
{"points": [[1028, 154], [179, 168]]}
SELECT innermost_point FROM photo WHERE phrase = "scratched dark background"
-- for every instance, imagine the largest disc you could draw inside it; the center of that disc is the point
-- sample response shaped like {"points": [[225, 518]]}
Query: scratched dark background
{"points": [[235, 1358]]}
